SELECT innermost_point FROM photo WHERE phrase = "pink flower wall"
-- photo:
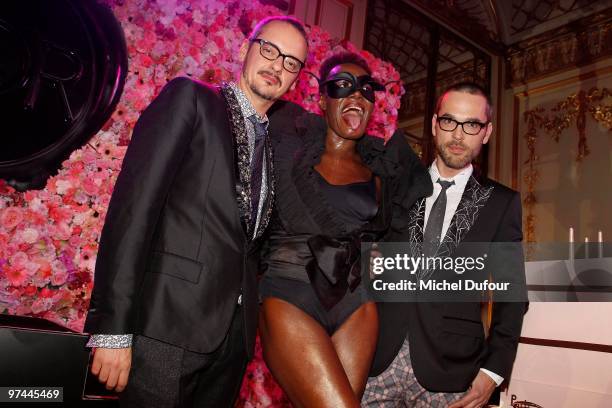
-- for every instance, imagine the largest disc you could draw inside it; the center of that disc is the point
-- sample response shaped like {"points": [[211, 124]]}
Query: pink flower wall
{"points": [[49, 238]]}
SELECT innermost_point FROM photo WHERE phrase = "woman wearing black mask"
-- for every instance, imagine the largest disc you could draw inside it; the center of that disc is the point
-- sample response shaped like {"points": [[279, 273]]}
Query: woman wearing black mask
{"points": [[336, 188]]}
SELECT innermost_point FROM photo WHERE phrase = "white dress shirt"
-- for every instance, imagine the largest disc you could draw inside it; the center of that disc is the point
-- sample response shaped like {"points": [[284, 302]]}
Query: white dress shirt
{"points": [[453, 196]]}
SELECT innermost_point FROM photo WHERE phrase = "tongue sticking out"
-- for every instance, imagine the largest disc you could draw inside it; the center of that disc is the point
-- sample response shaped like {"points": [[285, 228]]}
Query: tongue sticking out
{"points": [[352, 119]]}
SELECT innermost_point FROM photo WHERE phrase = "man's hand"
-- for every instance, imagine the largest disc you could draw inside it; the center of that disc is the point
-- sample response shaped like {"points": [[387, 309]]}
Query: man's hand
{"points": [[479, 394], [112, 367]]}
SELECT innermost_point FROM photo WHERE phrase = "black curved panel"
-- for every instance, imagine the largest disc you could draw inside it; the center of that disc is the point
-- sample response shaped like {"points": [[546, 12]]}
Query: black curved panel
{"points": [[62, 71]]}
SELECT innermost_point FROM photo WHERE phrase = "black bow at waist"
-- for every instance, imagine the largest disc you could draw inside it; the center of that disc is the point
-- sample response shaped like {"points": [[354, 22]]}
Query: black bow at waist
{"points": [[331, 265], [335, 267]]}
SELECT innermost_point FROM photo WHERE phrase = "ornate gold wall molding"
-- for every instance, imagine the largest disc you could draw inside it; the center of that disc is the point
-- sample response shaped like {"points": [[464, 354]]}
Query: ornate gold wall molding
{"points": [[534, 120], [580, 43], [561, 116], [574, 109]]}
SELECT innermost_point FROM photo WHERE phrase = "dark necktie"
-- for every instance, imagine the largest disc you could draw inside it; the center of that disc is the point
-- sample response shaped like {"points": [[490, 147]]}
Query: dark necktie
{"points": [[433, 231], [257, 167]]}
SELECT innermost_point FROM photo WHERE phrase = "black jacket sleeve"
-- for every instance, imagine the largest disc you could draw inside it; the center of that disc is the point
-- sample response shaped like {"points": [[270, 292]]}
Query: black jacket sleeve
{"points": [[507, 319]]}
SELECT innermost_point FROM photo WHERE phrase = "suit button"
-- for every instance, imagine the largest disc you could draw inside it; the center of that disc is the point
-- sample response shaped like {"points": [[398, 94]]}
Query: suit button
{"points": [[240, 299]]}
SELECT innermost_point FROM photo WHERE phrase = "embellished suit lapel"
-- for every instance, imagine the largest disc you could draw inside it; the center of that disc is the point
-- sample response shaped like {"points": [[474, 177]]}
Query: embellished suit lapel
{"points": [[416, 215], [241, 158], [266, 209], [474, 197]]}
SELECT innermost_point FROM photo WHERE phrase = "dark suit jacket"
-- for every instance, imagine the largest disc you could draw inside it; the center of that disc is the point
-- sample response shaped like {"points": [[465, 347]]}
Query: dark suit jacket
{"points": [[174, 252], [446, 340]]}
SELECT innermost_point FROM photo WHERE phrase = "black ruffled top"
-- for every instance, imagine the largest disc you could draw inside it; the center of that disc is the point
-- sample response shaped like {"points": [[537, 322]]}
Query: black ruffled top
{"points": [[310, 240]]}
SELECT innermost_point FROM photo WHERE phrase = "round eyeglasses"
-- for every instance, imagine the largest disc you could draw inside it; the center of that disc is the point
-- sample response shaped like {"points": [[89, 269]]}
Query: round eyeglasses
{"points": [[271, 52], [469, 127]]}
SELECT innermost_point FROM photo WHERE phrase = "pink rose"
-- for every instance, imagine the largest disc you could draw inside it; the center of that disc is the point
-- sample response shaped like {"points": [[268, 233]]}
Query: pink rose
{"points": [[59, 278], [40, 305], [23, 309], [89, 186], [11, 217], [60, 231], [60, 214], [29, 235], [19, 260]]}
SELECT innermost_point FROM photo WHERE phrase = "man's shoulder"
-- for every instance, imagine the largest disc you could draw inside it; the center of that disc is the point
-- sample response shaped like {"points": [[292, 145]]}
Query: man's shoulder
{"points": [[184, 86], [285, 109], [290, 120], [501, 193], [501, 188]]}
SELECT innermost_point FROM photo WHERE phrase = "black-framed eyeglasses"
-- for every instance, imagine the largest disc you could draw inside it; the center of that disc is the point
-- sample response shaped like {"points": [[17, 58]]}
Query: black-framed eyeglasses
{"points": [[469, 127], [271, 52]]}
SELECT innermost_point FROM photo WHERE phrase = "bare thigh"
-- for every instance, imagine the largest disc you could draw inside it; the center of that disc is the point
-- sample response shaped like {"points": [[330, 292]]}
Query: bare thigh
{"points": [[355, 343], [303, 358]]}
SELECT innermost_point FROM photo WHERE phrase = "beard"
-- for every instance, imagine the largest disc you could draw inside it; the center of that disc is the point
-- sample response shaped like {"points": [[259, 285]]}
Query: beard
{"points": [[262, 94], [455, 161], [267, 95]]}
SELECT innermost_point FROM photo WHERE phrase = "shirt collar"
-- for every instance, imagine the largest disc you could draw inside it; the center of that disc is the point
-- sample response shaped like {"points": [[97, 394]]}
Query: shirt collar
{"points": [[246, 107], [460, 179]]}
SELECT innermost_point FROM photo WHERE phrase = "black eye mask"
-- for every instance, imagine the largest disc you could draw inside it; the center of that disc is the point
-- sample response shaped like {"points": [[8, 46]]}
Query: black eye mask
{"points": [[344, 84]]}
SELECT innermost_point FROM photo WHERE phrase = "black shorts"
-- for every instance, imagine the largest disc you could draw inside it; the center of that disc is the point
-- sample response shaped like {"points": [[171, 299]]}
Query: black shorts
{"points": [[301, 295]]}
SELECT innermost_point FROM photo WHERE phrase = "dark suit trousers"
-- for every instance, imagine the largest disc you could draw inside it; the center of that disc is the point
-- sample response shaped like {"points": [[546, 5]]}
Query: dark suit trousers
{"points": [[164, 376]]}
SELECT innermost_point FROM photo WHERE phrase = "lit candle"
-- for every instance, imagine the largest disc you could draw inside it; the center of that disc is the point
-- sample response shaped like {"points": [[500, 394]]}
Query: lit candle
{"points": [[599, 244], [586, 247], [571, 244]]}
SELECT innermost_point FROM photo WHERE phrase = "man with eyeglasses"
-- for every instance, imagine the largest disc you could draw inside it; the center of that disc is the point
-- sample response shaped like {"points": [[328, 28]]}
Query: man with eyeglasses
{"points": [[174, 304], [436, 354]]}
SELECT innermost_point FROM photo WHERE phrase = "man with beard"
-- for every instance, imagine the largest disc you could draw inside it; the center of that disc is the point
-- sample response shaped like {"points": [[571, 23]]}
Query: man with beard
{"points": [[179, 250], [436, 354]]}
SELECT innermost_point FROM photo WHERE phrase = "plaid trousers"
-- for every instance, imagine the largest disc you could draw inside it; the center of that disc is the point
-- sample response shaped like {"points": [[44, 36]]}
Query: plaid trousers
{"points": [[398, 387]]}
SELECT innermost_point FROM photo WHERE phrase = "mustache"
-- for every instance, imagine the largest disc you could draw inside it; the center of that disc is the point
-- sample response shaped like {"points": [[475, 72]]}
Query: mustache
{"points": [[456, 144], [272, 74]]}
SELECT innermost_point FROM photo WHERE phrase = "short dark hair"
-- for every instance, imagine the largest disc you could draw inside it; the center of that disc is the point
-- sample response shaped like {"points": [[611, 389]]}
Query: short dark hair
{"points": [[471, 88], [297, 24], [342, 58]]}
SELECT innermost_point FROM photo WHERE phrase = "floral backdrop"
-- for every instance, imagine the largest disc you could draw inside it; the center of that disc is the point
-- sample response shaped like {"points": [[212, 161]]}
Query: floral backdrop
{"points": [[49, 237]]}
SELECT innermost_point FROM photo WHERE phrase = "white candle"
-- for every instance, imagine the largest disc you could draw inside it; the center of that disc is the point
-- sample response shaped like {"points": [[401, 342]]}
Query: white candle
{"points": [[571, 244], [600, 244], [586, 247]]}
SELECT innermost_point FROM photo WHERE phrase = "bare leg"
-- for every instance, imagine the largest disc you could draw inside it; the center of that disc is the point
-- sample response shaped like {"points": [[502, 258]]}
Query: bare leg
{"points": [[355, 343], [302, 357]]}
